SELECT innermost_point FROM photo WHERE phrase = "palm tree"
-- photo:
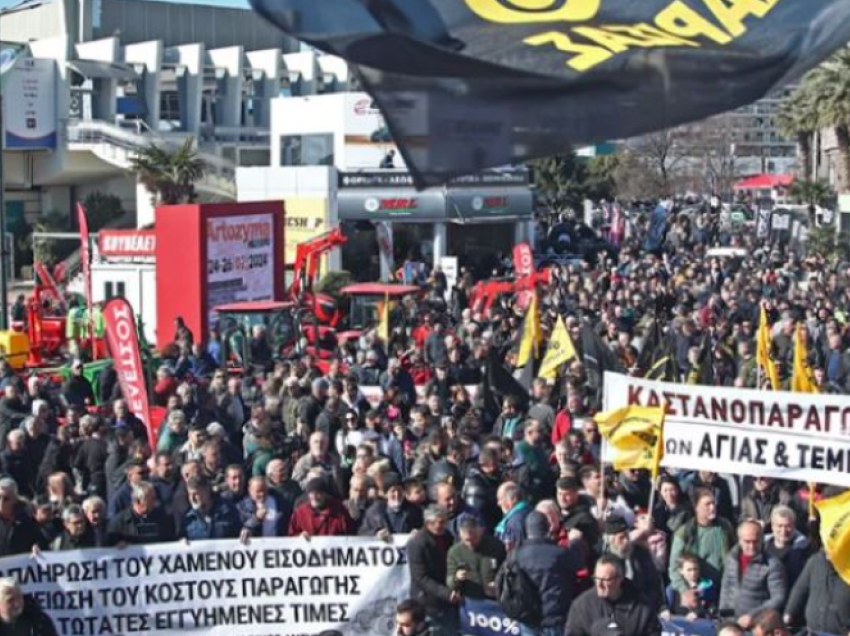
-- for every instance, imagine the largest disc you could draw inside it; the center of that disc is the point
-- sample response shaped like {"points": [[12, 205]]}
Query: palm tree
{"points": [[830, 85], [169, 176], [798, 118]]}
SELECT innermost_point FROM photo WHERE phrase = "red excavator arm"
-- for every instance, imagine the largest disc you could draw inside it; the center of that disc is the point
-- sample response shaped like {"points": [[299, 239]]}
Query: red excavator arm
{"points": [[486, 292], [307, 256]]}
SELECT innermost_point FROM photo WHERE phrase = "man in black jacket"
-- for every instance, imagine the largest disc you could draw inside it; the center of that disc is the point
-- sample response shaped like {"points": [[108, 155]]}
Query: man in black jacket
{"points": [[613, 605], [821, 596], [20, 615], [18, 530], [144, 522], [552, 570], [427, 555], [640, 567], [393, 515], [13, 412]]}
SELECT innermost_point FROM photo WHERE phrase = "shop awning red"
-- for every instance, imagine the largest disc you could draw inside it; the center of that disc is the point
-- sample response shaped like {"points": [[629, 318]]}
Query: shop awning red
{"points": [[765, 182]]}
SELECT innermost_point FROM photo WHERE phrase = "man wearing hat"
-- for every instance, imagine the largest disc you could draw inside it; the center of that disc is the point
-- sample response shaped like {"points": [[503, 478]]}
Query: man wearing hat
{"points": [[552, 570], [640, 567], [613, 607], [321, 515]]}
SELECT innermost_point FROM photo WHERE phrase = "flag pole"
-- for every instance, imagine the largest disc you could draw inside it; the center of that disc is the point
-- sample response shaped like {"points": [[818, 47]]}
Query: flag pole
{"points": [[656, 464]]}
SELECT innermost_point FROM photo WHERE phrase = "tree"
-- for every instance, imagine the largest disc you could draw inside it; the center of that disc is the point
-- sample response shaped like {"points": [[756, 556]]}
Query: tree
{"points": [[169, 176], [812, 193], [830, 87], [797, 118], [101, 208], [560, 181], [651, 166]]}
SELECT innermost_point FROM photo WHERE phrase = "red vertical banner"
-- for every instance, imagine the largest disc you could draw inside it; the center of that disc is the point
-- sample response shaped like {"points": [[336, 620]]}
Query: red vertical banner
{"points": [[123, 340], [85, 260], [523, 267]]}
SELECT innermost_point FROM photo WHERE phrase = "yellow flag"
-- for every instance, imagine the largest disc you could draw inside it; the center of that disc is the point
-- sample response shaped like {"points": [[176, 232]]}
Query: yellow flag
{"points": [[384, 322], [803, 378], [635, 436], [559, 351], [532, 336], [763, 358], [835, 532]]}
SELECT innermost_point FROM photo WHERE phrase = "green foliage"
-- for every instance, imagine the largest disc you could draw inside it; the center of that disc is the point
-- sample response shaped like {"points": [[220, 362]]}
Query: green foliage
{"points": [[169, 176], [333, 282], [564, 181], [813, 193], [102, 207], [51, 251], [824, 242]]}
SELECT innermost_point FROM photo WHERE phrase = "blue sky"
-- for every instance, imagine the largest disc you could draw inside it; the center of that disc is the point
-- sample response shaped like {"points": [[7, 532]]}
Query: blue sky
{"points": [[218, 3]]}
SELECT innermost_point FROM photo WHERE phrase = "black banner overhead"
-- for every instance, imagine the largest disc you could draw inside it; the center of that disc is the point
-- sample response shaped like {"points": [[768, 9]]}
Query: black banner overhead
{"points": [[471, 84]]}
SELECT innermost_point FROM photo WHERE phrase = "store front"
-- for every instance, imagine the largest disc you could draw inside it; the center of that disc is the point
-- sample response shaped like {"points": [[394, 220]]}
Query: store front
{"points": [[473, 219]]}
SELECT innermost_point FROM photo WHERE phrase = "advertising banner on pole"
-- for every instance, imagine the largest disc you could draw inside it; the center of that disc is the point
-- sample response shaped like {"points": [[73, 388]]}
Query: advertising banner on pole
{"points": [[280, 587], [804, 437]]}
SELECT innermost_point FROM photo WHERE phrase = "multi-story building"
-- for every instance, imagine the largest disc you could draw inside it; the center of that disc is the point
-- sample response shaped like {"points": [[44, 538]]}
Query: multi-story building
{"points": [[102, 79]]}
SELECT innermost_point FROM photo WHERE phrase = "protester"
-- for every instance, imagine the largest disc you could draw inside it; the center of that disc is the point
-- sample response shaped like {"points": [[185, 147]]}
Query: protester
{"points": [[20, 615]]}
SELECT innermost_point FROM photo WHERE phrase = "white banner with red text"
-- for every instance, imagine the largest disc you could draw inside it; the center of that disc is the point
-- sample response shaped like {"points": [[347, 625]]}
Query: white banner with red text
{"points": [[799, 436], [269, 587]]}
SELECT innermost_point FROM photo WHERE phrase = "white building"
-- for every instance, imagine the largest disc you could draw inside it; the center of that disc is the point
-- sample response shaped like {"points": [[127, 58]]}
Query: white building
{"points": [[333, 161]]}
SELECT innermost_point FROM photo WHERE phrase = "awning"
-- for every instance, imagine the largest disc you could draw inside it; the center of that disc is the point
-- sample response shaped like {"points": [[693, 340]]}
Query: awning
{"points": [[93, 69]]}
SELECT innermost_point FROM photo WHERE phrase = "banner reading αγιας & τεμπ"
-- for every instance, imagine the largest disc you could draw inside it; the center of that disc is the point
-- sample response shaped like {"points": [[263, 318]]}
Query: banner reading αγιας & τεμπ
{"points": [[799, 436], [274, 587]]}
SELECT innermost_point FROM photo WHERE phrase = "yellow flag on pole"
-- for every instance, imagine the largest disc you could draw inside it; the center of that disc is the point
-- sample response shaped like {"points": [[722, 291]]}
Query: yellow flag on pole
{"points": [[635, 435], [559, 351], [384, 321], [763, 357], [532, 336], [835, 532], [803, 377]]}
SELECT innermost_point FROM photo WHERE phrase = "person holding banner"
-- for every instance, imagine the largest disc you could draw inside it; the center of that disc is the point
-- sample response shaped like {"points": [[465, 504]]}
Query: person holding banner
{"points": [[21, 615]]}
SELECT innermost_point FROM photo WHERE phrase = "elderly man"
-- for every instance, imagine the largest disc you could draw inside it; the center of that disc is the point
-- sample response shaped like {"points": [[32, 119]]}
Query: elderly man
{"points": [[613, 606], [263, 512], [752, 580], [21, 615], [511, 529], [76, 533], [144, 522], [321, 515], [19, 532], [211, 516], [787, 544], [640, 566], [318, 456], [820, 599], [473, 561]]}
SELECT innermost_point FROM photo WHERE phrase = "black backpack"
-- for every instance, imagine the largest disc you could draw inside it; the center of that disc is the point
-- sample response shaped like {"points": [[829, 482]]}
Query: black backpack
{"points": [[517, 594]]}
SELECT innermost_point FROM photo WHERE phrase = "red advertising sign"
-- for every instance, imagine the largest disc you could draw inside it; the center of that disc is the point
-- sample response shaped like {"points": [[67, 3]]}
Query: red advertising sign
{"points": [[123, 342], [523, 266], [85, 252], [126, 242]]}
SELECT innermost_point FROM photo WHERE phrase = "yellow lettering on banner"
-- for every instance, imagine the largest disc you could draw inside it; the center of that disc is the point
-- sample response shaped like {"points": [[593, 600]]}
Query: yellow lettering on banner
{"points": [[628, 36], [534, 11], [731, 13], [652, 35], [587, 56], [679, 19]]}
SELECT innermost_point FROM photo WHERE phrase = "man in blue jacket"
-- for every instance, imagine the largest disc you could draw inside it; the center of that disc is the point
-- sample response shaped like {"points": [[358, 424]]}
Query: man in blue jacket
{"points": [[211, 516]]}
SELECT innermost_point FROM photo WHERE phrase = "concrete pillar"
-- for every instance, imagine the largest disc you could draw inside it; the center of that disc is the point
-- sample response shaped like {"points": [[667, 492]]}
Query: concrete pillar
{"points": [[148, 54], [105, 50], [229, 106], [270, 62], [192, 57], [440, 242]]}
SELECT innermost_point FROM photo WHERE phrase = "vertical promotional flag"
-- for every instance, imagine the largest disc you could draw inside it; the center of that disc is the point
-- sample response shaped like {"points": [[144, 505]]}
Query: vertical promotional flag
{"points": [[123, 341], [803, 378], [523, 268], [763, 354], [560, 351], [384, 319], [85, 261], [835, 532], [633, 434]]}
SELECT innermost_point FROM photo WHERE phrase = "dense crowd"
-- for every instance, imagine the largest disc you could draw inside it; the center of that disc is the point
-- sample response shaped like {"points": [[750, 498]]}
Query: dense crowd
{"points": [[491, 482]]}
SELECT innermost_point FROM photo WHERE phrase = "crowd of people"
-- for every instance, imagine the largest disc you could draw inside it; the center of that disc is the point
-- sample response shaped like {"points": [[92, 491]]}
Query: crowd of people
{"points": [[497, 488]]}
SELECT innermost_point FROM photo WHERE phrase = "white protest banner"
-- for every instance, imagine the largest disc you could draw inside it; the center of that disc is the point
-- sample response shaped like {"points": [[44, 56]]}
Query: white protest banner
{"points": [[270, 587], [797, 436]]}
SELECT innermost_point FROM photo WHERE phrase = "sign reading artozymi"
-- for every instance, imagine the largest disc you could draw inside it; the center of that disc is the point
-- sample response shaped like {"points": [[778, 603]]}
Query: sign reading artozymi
{"points": [[280, 587], [797, 436]]}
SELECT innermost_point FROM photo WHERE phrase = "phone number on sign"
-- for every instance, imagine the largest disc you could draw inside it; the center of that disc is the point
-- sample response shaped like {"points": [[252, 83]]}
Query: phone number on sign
{"points": [[242, 263]]}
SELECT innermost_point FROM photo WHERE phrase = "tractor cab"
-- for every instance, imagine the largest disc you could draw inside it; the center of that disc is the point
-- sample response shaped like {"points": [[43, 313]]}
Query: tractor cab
{"points": [[365, 301], [239, 325]]}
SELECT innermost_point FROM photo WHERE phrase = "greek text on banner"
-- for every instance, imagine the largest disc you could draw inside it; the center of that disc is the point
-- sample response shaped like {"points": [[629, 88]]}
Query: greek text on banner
{"points": [[274, 587], [798, 436]]}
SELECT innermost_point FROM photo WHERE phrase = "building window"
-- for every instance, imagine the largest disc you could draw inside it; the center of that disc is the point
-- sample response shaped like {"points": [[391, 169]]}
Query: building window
{"points": [[307, 150], [114, 290]]}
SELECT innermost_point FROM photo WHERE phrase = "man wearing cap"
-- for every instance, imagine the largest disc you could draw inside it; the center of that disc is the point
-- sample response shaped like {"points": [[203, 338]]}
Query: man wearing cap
{"points": [[552, 570], [613, 607], [474, 560], [576, 518], [321, 515], [393, 515], [640, 567]]}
